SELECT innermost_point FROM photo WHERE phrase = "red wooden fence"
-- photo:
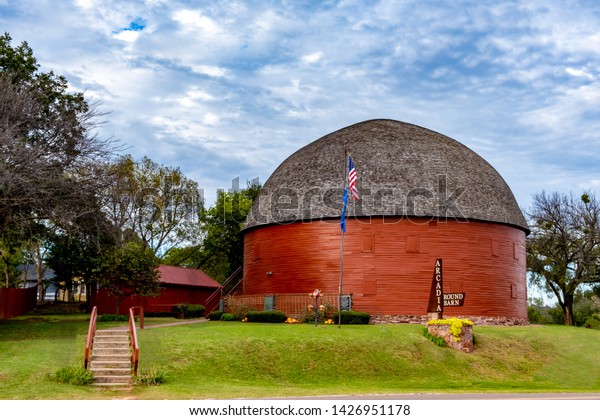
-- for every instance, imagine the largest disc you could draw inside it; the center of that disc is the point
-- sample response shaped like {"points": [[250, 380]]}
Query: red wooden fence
{"points": [[15, 302]]}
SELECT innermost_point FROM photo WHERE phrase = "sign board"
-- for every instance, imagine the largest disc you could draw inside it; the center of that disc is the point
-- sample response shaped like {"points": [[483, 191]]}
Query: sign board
{"points": [[436, 297], [454, 299], [438, 300], [346, 301]]}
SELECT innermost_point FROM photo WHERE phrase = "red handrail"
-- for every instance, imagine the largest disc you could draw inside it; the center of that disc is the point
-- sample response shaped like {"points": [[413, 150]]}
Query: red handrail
{"points": [[220, 290], [90, 336], [135, 348]]}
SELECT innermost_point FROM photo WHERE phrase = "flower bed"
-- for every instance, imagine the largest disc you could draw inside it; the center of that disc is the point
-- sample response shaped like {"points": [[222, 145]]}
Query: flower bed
{"points": [[458, 333]]}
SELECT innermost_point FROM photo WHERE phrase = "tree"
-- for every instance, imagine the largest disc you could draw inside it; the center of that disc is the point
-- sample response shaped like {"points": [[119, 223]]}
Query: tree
{"points": [[129, 270], [154, 203], [11, 244], [563, 250], [35, 250], [221, 251], [48, 151]]}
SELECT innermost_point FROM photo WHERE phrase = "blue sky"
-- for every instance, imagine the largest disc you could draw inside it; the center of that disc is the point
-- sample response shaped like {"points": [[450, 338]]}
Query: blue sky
{"points": [[224, 89]]}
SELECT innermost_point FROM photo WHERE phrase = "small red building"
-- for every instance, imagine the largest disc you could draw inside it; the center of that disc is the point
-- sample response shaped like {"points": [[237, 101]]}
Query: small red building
{"points": [[179, 285]]}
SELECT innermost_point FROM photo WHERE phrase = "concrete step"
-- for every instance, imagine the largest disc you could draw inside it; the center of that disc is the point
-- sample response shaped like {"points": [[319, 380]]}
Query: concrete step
{"points": [[107, 343], [113, 379], [110, 371], [111, 333], [104, 364], [110, 350], [116, 344], [111, 359]]}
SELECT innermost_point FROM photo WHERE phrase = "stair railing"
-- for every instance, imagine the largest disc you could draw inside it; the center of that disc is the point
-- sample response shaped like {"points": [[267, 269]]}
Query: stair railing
{"points": [[221, 291], [133, 341], [89, 342]]}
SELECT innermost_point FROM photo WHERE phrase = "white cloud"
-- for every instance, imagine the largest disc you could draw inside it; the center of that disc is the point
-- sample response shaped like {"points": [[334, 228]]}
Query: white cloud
{"points": [[241, 79], [579, 73], [85, 4], [590, 184], [127, 36], [213, 71], [192, 20], [312, 58]]}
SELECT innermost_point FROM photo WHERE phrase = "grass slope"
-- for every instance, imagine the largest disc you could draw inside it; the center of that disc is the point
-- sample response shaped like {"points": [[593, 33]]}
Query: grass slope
{"points": [[232, 359]]}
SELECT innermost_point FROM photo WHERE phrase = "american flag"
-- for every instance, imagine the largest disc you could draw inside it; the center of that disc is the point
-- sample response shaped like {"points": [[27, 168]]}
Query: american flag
{"points": [[352, 177]]}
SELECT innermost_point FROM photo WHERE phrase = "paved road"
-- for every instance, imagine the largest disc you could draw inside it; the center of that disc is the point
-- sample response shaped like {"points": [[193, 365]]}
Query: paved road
{"points": [[501, 396]]}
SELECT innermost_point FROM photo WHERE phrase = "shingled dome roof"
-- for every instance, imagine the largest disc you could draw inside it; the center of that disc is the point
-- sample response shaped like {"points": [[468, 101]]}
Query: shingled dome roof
{"points": [[403, 170]]}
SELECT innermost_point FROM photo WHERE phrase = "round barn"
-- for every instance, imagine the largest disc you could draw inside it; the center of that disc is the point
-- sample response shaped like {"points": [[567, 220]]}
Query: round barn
{"points": [[422, 197]]}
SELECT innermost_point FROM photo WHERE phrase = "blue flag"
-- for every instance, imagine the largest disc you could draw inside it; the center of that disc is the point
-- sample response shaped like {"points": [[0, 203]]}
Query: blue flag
{"points": [[343, 219]]}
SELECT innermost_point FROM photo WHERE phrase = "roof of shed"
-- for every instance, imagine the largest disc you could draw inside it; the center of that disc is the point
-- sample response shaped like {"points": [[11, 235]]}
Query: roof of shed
{"points": [[403, 170], [186, 277]]}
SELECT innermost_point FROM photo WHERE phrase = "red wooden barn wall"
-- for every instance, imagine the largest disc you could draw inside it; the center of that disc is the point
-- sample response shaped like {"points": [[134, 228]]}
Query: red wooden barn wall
{"points": [[170, 296], [16, 301], [388, 263]]}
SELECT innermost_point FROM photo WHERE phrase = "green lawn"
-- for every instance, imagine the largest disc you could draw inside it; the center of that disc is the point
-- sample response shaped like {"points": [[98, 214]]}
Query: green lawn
{"points": [[233, 359]]}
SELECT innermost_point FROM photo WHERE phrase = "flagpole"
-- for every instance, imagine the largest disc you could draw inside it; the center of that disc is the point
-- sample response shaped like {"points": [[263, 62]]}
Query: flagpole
{"points": [[341, 277], [342, 240]]}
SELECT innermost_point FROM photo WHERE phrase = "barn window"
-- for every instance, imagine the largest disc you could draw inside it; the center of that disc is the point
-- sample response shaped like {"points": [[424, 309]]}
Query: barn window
{"points": [[516, 251], [367, 243], [514, 291], [412, 243], [370, 287], [495, 248], [257, 251]]}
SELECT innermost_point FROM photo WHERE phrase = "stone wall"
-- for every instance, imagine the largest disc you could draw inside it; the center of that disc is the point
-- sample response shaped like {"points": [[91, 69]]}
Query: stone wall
{"points": [[422, 319], [464, 342]]}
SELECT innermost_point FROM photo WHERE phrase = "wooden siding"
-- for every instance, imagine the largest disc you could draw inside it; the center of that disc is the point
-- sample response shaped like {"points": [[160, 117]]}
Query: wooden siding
{"points": [[170, 296], [15, 302], [388, 264]]}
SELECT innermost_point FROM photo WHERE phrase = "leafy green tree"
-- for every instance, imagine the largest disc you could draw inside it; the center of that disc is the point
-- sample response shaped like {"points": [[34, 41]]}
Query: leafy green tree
{"points": [[72, 260], [152, 202], [563, 250], [35, 250], [129, 270], [537, 311], [221, 251], [11, 256]]}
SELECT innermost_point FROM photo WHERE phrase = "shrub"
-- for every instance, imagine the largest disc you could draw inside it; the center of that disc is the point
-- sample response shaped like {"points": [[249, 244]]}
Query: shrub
{"points": [[240, 311], [557, 315], [583, 310], [188, 310], [112, 318], [275, 317], [593, 322], [151, 376], [159, 315], [352, 317], [194, 311], [215, 315], [228, 317], [534, 315], [74, 375], [455, 325], [438, 341]]}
